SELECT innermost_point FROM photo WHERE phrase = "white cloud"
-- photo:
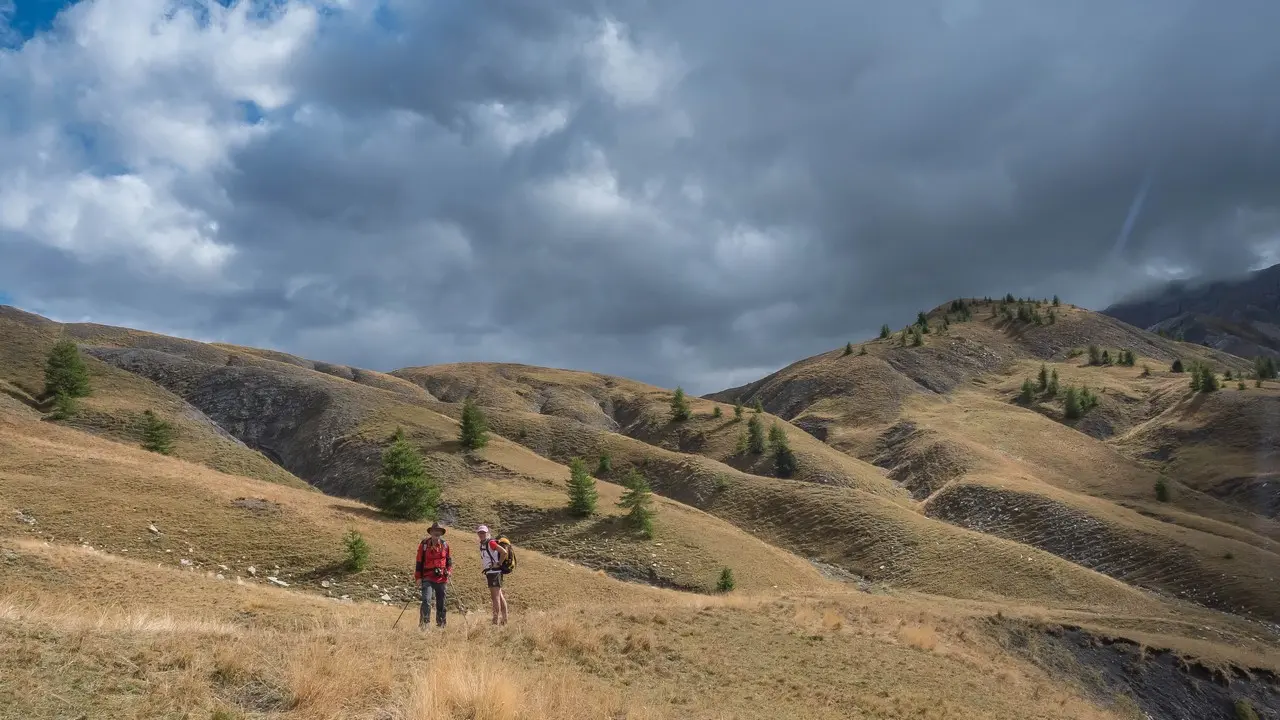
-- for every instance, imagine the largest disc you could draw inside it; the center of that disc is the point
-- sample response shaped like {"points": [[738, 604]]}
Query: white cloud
{"points": [[93, 217], [631, 75]]}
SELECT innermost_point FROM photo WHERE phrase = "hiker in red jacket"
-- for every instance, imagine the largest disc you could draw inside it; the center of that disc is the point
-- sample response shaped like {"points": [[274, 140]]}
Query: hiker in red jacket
{"points": [[432, 571]]}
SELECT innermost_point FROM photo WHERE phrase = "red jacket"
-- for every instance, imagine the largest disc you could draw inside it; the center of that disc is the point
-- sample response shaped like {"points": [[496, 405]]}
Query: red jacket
{"points": [[432, 558]]}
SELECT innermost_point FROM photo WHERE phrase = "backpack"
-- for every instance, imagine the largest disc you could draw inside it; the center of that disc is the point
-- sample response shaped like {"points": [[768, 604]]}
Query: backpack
{"points": [[510, 563]]}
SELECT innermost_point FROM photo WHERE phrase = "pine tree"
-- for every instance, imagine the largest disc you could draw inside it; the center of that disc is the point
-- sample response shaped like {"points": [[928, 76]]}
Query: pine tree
{"points": [[725, 583], [404, 488], [1162, 490], [1208, 380], [743, 444], [917, 337], [1264, 368], [716, 412], [1056, 302], [357, 551], [1052, 390], [637, 500], [582, 489], [848, 349], [1044, 378], [1028, 392], [757, 407], [679, 406], [65, 407], [1226, 375], [605, 466], [885, 332], [1071, 404], [862, 350], [737, 410], [755, 435], [474, 433], [157, 435], [922, 321], [65, 371], [784, 460], [1177, 366], [1095, 355]]}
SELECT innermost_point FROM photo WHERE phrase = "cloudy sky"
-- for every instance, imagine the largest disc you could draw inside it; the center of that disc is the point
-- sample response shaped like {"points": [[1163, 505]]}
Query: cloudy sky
{"points": [[680, 191]]}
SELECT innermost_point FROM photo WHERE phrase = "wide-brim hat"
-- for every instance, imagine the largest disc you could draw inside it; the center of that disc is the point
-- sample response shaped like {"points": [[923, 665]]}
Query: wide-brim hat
{"points": [[435, 526]]}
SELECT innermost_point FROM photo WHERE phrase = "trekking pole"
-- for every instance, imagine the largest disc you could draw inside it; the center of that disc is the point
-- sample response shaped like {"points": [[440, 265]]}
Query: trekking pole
{"points": [[406, 607]]}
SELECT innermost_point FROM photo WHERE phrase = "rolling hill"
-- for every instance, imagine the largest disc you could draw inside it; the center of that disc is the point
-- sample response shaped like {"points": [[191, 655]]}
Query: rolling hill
{"points": [[931, 510]]}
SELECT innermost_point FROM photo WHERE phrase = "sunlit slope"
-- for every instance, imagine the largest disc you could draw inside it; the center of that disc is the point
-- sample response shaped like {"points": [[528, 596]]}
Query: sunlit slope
{"points": [[946, 422], [641, 412], [115, 409]]}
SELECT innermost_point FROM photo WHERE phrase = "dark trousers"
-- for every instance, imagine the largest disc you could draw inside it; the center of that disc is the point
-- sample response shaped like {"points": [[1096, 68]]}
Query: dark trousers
{"points": [[429, 589]]}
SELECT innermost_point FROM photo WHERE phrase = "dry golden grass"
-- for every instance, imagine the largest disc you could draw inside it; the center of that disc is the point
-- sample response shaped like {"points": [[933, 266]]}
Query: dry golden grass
{"points": [[523, 398], [1059, 476], [275, 653]]}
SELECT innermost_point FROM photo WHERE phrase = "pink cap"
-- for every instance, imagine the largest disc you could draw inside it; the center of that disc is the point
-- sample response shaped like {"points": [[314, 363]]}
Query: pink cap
{"points": [[482, 529]]}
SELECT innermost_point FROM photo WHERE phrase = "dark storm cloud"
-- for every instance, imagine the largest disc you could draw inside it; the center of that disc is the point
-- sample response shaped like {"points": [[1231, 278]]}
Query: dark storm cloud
{"points": [[702, 190]]}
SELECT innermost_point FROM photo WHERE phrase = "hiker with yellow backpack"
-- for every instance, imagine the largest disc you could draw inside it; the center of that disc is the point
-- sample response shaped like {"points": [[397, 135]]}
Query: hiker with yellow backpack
{"points": [[499, 559]]}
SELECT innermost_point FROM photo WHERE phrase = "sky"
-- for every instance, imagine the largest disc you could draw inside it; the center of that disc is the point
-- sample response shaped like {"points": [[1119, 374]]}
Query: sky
{"points": [[691, 192]]}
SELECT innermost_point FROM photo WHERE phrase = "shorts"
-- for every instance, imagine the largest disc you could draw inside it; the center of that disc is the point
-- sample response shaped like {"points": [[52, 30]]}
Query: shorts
{"points": [[494, 578]]}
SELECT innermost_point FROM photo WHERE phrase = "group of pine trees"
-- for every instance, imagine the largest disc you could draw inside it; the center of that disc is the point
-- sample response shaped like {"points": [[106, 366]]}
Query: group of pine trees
{"points": [[753, 440], [66, 380], [404, 488], [1099, 356], [637, 499], [1075, 401]]}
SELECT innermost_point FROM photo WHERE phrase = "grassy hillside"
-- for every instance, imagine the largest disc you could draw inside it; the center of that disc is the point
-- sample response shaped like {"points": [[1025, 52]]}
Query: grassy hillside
{"points": [[331, 432], [945, 420], [145, 634], [115, 409]]}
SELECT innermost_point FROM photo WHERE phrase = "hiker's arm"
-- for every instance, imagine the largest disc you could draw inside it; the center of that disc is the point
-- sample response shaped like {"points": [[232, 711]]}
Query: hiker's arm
{"points": [[417, 565]]}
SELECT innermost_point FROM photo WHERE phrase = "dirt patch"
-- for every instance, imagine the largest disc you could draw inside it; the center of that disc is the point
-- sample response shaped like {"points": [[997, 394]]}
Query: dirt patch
{"points": [[1118, 672], [257, 505]]}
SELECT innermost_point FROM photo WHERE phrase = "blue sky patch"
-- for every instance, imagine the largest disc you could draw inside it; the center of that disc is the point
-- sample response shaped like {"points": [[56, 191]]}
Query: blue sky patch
{"points": [[5, 298], [250, 111], [34, 16]]}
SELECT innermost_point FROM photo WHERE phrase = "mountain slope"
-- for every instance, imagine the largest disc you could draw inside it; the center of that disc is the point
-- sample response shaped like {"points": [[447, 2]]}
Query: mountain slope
{"points": [[115, 409], [1238, 315], [945, 420], [331, 431]]}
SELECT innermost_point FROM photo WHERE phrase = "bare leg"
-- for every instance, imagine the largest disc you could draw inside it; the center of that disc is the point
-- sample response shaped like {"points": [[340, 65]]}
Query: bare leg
{"points": [[495, 595], [502, 602]]}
